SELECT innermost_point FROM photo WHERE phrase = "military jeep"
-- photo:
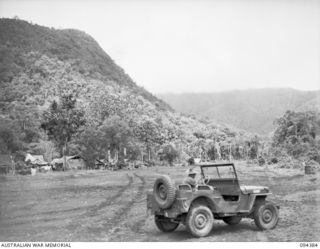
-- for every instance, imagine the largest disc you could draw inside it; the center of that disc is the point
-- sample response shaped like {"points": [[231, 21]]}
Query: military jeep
{"points": [[218, 195]]}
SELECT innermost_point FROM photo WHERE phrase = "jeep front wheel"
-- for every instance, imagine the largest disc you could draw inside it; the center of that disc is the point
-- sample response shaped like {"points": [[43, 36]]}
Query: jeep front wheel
{"points": [[266, 215], [232, 220], [165, 225], [199, 221]]}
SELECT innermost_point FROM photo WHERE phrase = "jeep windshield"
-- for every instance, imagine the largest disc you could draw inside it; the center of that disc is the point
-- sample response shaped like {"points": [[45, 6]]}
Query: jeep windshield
{"points": [[219, 172]]}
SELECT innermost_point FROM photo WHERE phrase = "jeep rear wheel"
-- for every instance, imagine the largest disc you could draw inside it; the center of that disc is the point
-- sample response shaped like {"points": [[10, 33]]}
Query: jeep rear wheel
{"points": [[199, 221], [164, 224], [266, 215], [232, 220], [164, 191]]}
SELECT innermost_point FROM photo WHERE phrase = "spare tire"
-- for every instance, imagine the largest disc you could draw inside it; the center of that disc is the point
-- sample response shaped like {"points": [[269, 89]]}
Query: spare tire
{"points": [[164, 191]]}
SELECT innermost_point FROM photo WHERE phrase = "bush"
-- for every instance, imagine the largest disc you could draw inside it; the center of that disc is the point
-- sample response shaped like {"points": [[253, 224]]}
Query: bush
{"points": [[274, 160], [19, 156], [314, 164], [24, 171], [121, 165], [191, 161], [169, 153], [261, 161], [20, 165], [290, 163]]}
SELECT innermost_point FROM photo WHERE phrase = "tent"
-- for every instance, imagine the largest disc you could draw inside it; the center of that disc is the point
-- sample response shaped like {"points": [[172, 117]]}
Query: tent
{"points": [[73, 162], [35, 160]]}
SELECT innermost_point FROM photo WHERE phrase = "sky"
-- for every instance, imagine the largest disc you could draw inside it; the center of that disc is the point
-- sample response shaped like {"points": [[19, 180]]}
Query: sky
{"points": [[195, 46]]}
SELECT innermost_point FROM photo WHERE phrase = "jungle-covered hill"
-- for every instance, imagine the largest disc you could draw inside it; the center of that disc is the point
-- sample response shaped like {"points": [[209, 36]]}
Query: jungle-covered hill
{"points": [[253, 110], [34, 49], [60, 89], [39, 65]]}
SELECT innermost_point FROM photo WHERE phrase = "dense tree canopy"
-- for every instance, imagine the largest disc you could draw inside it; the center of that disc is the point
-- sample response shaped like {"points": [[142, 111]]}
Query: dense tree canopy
{"points": [[9, 137], [62, 120], [298, 134]]}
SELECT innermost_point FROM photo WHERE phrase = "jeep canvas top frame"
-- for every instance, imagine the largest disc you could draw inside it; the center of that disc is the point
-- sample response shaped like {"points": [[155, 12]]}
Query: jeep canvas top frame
{"points": [[217, 195]]}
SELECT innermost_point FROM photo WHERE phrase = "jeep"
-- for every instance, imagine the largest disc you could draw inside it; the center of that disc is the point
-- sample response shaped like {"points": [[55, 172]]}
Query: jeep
{"points": [[217, 195]]}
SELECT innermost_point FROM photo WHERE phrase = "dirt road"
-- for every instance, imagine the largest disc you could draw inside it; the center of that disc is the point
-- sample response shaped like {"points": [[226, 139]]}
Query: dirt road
{"points": [[111, 206]]}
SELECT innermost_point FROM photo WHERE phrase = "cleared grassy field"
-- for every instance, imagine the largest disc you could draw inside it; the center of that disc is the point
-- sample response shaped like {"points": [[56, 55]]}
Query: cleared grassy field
{"points": [[111, 206]]}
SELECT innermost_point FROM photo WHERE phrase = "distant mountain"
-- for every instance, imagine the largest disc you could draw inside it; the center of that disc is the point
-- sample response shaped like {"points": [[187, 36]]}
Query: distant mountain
{"points": [[253, 110]]}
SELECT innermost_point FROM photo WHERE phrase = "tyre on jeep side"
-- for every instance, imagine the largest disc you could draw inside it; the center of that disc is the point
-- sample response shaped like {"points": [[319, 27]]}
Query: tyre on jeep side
{"points": [[266, 215], [199, 220], [164, 224], [164, 191]]}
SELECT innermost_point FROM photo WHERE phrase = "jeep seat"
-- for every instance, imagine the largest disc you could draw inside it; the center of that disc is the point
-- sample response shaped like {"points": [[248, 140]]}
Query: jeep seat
{"points": [[253, 189], [204, 187], [185, 187]]}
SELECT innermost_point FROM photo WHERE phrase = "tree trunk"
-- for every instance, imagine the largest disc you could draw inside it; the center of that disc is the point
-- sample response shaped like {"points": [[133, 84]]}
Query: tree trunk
{"points": [[13, 166], [109, 156], [218, 150], [116, 156], [64, 151]]}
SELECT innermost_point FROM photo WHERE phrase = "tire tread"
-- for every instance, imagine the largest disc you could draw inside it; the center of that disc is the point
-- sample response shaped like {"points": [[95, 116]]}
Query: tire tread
{"points": [[192, 211], [171, 191], [256, 215]]}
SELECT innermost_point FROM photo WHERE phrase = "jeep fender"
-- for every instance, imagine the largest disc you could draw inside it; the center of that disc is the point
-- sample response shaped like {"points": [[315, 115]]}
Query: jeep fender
{"points": [[204, 200], [255, 199]]}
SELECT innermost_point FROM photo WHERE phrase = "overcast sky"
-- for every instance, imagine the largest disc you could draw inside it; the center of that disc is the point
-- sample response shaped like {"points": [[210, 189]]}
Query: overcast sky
{"points": [[195, 46]]}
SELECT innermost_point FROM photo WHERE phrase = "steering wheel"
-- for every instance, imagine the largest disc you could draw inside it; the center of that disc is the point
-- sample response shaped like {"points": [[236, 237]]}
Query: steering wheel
{"points": [[207, 180]]}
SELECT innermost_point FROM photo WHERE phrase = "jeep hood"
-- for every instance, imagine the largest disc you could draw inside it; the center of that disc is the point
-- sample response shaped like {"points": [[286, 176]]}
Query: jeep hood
{"points": [[254, 189]]}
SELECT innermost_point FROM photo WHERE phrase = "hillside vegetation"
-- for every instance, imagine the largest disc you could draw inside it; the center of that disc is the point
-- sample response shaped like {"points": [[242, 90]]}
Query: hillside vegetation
{"points": [[251, 110], [41, 67], [51, 55], [60, 92]]}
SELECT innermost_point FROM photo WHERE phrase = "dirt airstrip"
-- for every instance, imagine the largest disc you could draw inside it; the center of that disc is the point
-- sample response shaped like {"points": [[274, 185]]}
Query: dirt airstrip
{"points": [[111, 206]]}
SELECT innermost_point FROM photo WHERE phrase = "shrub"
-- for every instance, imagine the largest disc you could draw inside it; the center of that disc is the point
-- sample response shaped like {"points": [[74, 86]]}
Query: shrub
{"points": [[169, 153], [261, 161], [191, 161], [274, 160]]}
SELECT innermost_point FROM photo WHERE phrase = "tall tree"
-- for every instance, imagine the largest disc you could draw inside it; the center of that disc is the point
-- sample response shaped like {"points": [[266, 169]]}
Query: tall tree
{"points": [[9, 140], [298, 134], [169, 153], [149, 133], [62, 121]]}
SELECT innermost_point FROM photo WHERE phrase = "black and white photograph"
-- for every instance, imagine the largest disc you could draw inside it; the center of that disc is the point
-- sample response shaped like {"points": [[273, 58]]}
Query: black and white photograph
{"points": [[159, 121]]}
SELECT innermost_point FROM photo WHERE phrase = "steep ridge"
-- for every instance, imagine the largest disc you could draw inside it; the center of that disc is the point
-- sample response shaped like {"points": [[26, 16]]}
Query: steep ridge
{"points": [[78, 54]]}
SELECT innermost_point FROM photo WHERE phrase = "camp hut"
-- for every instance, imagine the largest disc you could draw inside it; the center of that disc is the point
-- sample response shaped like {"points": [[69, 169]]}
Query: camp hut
{"points": [[5, 163], [35, 160], [75, 162], [72, 162], [57, 164]]}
